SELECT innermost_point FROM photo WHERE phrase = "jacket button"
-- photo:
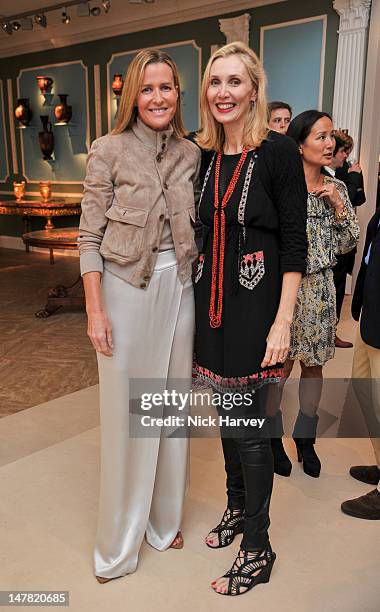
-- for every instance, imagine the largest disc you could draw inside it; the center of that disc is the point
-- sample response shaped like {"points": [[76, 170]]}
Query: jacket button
{"points": [[161, 217], [142, 285], [159, 157], [155, 249], [166, 186], [146, 278], [164, 136]]}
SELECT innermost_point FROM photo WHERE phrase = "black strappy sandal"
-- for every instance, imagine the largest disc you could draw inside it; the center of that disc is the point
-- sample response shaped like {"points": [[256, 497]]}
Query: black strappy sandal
{"points": [[230, 526], [250, 572]]}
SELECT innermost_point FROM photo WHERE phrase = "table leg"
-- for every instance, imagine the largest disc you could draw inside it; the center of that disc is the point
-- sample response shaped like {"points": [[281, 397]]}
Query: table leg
{"points": [[26, 230], [62, 296], [49, 223]]}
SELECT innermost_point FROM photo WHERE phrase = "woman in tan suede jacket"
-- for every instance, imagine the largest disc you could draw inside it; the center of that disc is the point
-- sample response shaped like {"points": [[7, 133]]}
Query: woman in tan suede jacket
{"points": [[136, 249]]}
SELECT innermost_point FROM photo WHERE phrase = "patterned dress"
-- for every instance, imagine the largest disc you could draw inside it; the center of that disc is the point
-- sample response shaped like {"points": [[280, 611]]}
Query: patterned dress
{"points": [[314, 322]]}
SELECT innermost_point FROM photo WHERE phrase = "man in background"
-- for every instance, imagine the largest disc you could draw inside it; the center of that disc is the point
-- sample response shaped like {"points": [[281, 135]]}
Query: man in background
{"points": [[351, 175], [279, 116], [366, 368]]}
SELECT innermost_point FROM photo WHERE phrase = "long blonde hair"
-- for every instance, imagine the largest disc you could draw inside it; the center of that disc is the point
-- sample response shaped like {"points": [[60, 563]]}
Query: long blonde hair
{"points": [[211, 135], [133, 79]]}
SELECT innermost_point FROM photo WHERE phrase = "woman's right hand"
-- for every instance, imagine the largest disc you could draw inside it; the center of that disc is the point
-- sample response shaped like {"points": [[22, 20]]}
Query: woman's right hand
{"points": [[99, 331]]}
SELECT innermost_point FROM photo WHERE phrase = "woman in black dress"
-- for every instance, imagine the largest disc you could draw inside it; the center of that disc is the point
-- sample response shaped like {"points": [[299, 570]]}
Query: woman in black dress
{"points": [[253, 207]]}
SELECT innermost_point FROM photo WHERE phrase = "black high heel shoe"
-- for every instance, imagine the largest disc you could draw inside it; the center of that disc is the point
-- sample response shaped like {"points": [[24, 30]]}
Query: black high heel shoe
{"points": [[307, 455], [249, 570], [282, 463], [231, 525], [304, 437]]}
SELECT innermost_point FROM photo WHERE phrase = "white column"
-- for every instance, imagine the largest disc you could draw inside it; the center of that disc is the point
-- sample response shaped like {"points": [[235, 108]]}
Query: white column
{"points": [[350, 66], [236, 28]]}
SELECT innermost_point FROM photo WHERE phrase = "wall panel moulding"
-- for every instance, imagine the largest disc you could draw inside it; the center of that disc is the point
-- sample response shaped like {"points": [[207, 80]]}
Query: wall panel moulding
{"points": [[67, 110], [4, 161]]}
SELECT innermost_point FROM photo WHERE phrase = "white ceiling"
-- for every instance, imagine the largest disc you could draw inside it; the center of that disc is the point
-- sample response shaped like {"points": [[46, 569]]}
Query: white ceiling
{"points": [[123, 18]]}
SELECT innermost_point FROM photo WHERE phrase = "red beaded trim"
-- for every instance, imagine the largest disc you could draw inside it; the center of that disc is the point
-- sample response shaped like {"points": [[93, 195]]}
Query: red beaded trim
{"points": [[218, 244], [251, 381]]}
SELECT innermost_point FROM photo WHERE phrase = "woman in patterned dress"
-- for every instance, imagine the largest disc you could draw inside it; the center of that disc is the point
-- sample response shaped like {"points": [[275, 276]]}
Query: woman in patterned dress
{"points": [[253, 207], [332, 229]]}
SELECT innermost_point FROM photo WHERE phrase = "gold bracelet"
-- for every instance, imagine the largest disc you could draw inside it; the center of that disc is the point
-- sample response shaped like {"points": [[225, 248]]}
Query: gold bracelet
{"points": [[342, 215]]}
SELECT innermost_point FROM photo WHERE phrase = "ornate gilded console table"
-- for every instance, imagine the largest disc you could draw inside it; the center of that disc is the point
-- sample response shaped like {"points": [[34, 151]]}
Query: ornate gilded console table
{"points": [[36, 208]]}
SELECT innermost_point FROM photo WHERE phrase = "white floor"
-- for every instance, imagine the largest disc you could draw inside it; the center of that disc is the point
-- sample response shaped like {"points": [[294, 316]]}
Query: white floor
{"points": [[49, 486]]}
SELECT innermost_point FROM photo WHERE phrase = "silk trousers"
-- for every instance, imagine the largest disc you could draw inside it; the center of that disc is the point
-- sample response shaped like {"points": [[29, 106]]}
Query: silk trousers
{"points": [[142, 480]]}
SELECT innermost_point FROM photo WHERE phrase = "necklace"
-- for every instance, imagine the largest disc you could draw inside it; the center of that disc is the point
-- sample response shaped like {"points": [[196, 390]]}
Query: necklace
{"points": [[219, 239]]}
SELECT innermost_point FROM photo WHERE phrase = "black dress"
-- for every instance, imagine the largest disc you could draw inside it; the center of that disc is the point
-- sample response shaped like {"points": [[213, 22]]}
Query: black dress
{"points": [[265, 236]]}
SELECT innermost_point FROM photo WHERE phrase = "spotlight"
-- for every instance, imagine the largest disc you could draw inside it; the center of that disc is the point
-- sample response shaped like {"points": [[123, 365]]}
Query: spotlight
{"points": [[41, 20], [65, 17], [95, 11], [16, 25], [7, 27], [106, 4]]}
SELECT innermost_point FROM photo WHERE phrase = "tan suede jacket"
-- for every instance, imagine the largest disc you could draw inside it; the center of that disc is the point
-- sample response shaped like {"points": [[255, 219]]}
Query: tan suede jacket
{"points": [[132, 179]]}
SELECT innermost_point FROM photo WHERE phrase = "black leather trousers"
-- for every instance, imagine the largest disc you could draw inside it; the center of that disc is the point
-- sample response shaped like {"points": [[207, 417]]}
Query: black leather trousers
{"points": [[249, 467]]}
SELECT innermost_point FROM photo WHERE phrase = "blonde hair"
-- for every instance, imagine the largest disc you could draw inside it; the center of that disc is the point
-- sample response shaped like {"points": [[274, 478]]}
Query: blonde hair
{"points": [[133, 79], [211, 135]]}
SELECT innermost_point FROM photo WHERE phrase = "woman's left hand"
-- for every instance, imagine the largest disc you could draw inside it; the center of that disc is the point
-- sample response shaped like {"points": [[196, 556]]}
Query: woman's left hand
{"points": [[329, 191], [278, 344]]}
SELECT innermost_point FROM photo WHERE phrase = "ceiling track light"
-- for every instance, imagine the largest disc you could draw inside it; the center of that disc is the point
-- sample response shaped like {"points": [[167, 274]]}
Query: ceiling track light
{"points": [[65, 17], [7, 27], [24, 21], [41, 20]]}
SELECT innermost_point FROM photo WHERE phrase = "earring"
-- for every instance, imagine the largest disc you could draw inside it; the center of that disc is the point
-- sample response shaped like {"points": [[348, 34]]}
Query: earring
{"points": [[253, 104]]}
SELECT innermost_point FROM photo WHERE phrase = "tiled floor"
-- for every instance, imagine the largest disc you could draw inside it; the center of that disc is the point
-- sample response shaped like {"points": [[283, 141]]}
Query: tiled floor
{"points": [[326, 562], [40, 359]]}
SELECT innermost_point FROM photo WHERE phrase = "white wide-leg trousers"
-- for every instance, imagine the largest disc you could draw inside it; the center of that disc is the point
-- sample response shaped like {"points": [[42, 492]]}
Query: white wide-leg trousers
{"points": [[143, 480]]}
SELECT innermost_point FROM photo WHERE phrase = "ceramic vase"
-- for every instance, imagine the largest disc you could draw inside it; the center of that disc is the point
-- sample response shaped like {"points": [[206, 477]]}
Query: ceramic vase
{"points": [[45, 190], [23, 112], [46, 137], [19, 190], [44, 83], [63, 112], [117, 84]]}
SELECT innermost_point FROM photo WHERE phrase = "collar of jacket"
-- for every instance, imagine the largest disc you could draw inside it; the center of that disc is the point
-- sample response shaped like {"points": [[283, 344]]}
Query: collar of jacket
{"points": [[155, 140]]}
